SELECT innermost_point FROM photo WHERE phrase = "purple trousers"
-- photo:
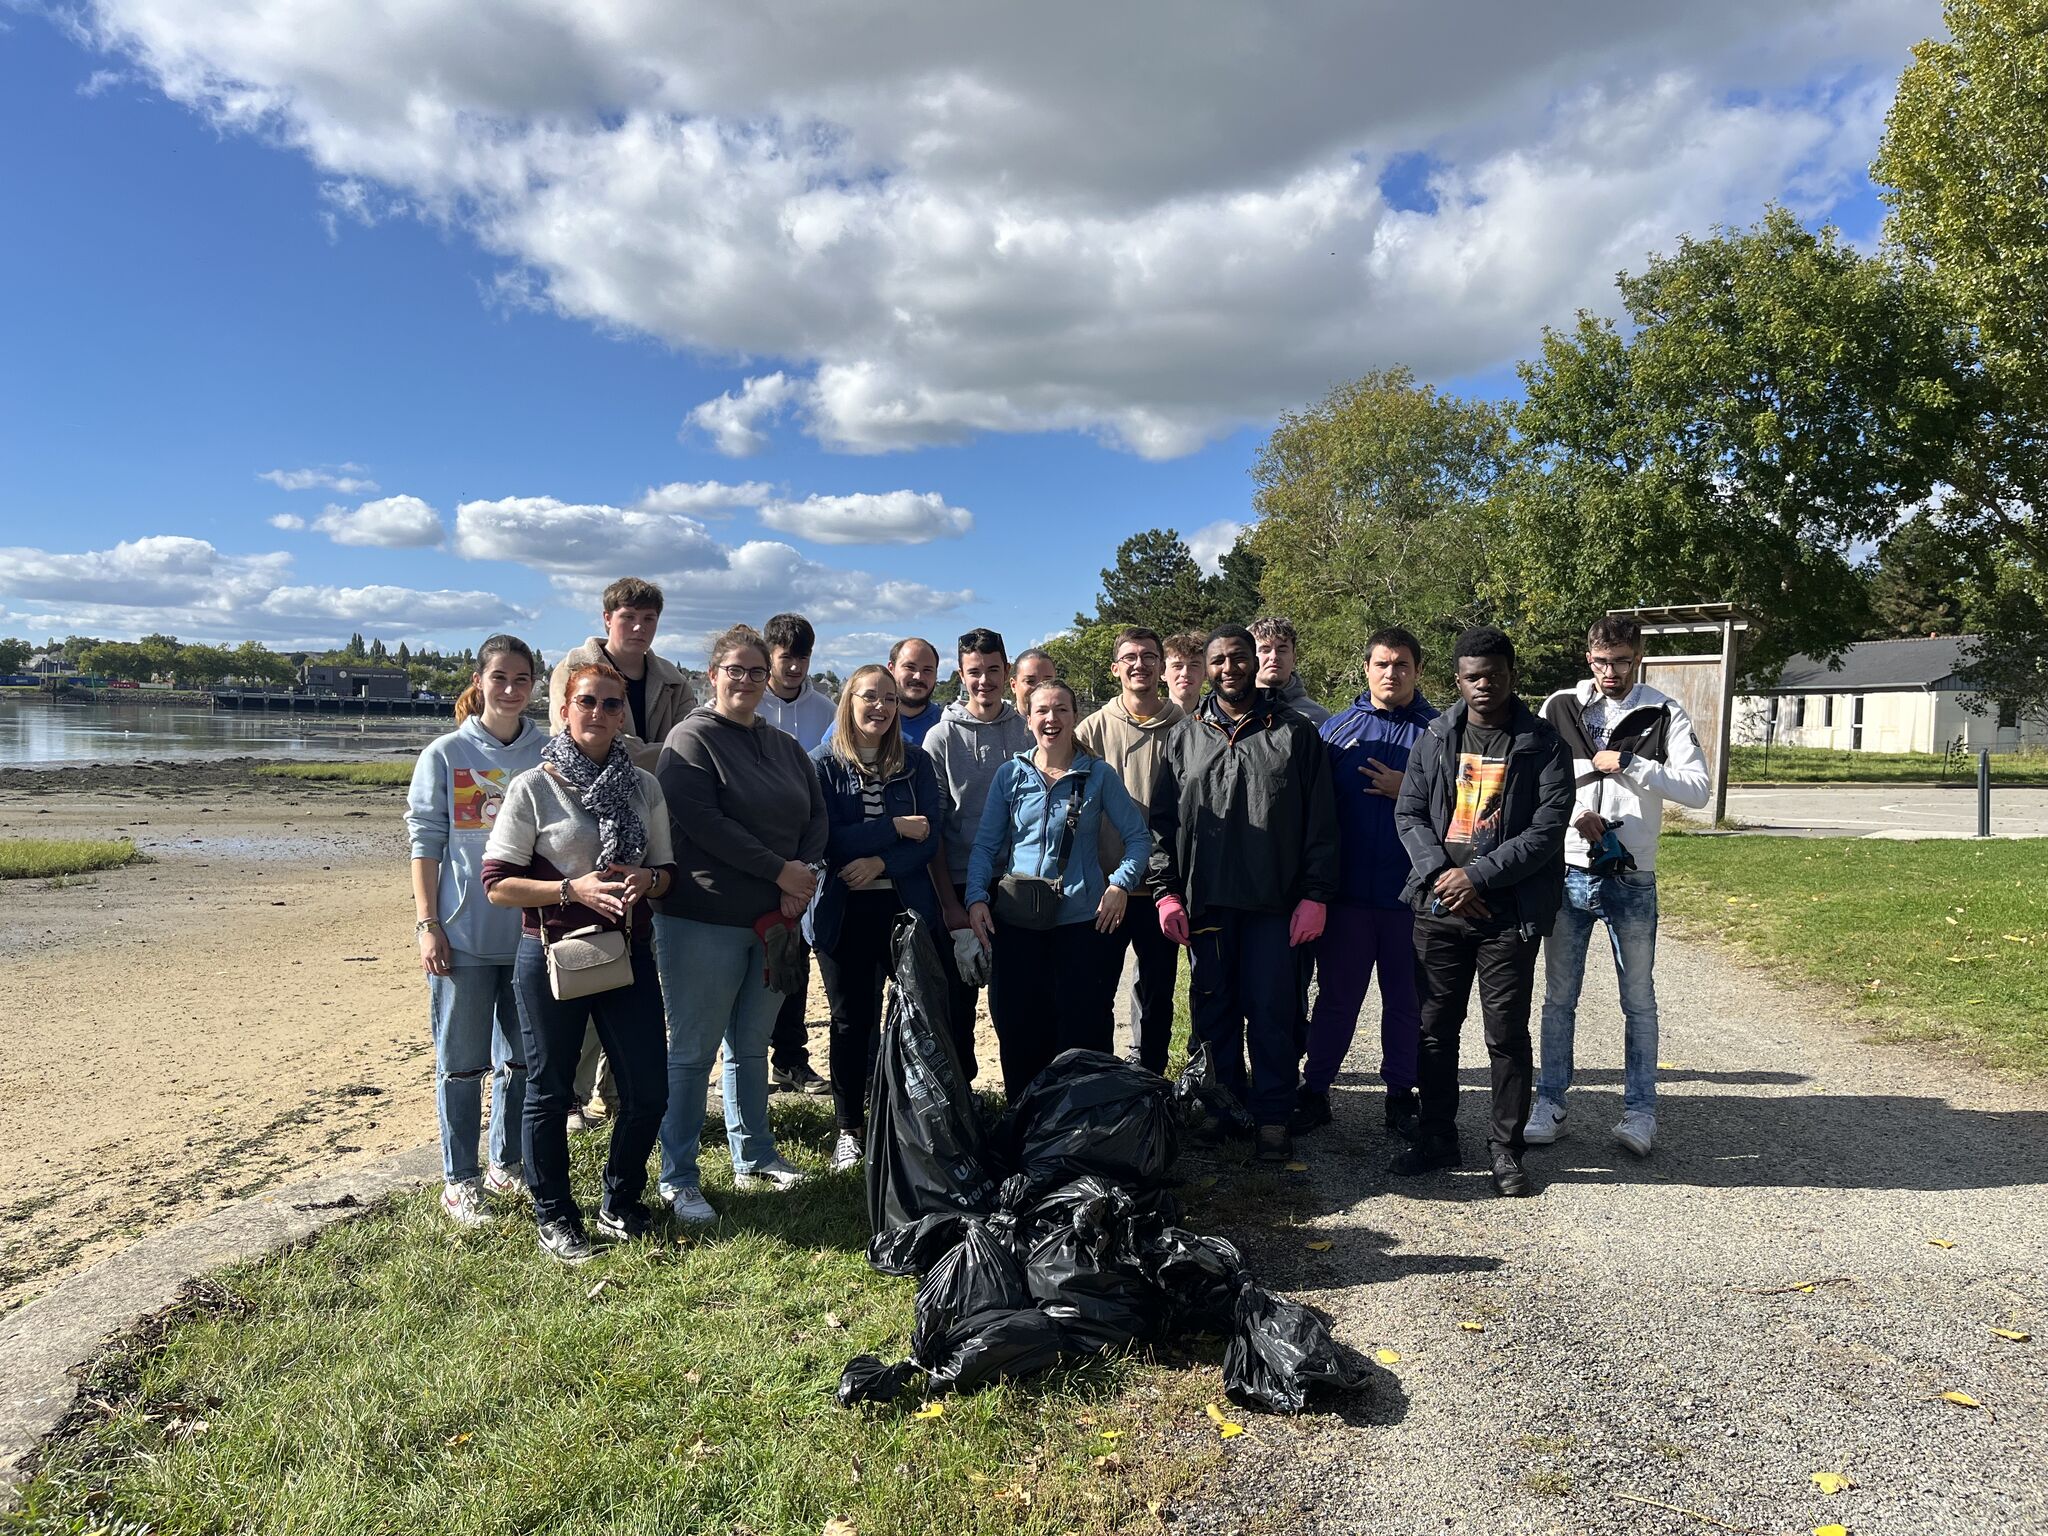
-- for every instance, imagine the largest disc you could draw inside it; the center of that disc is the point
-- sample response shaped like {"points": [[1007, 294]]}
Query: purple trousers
{"points": [[1354, 940]]}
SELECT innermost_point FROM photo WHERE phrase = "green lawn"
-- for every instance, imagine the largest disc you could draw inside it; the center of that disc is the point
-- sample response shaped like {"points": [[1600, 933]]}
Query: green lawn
{"points": [[1944, 940], [383, 771], [44, 858], [1823, 765]]}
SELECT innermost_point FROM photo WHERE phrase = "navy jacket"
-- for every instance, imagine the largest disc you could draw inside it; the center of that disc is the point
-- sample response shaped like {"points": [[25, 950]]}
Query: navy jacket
{"points": [[849, 836], [1373, 865]]}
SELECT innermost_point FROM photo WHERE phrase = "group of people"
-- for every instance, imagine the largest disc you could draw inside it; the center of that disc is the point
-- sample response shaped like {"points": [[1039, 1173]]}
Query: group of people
{"points": [[606, 906]]}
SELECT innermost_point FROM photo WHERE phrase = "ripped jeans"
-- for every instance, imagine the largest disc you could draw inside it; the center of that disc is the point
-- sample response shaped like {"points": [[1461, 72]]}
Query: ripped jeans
{"points": [[476, 1029]]}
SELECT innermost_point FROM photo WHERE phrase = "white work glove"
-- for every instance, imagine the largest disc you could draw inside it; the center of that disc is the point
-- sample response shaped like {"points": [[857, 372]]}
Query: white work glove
{"points": [[969, 958]]}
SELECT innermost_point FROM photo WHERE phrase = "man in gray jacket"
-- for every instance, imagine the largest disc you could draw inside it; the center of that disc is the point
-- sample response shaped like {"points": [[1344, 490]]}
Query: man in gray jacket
{"points": [[1276, 642]]}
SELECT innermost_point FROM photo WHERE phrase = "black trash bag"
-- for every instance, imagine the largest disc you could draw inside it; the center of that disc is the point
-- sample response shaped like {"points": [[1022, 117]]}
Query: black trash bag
{"points": [[980, 1274], [992, 1345], [1092, 1113], [1096, 1290], [1200, 1276], [1101, 1212], [1280, 1353], [925, 1145], [913, 1249], [867, 1380], [1207, 1109]]}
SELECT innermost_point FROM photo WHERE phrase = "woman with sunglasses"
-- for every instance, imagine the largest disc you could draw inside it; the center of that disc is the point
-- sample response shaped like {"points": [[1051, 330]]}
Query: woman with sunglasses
{"points": [[749, 828], [581, 841], [467, 945], [881, 795]]}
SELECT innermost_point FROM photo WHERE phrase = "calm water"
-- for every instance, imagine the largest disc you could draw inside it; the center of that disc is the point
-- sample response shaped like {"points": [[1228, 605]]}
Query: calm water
{"points": [[36, 733]]}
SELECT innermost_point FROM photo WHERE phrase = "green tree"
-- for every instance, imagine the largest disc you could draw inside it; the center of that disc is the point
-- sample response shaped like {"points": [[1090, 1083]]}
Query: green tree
{"points": [[121, 660], [255, 663], [1923, 581], [377, 651], [1233, 594], [404, 656], [355, 650], [1083, 655], [2007, 664], [14, 654], [1153, 581], [162, 652]]}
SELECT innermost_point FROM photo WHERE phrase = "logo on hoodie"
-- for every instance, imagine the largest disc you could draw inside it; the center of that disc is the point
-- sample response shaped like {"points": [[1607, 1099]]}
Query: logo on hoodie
{"points": [[479, 792]]}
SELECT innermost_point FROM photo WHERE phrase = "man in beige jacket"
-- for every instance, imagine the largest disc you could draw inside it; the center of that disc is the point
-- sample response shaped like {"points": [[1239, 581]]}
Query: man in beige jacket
{"points": [[1129, 734]]}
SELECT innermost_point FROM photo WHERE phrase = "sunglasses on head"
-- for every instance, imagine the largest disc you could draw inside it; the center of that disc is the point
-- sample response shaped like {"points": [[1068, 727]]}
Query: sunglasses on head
{"points": [[590, 701]]}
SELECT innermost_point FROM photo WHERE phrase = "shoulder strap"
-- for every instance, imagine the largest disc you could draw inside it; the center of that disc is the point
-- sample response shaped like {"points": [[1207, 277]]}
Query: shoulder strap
{"points": [[1073, 820]]}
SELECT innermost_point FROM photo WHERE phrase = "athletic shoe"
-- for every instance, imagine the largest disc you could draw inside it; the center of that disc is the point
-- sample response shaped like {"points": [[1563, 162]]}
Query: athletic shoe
{"points": [[595, 1112], [797, 1079], [1637, 1132], [847, 1152], [577, 1121], [1402, 1108], [463, 1203], [1427, 1157], [1546, 1124], [624, 1223], [1275, 1145], [505, 1179], [689, 1204], [773, 1174], [1509, 1177], [1311, 1111], [564, 1240]]}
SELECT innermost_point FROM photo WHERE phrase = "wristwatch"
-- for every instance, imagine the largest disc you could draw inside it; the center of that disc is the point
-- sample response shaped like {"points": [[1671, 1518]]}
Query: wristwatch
{"points": [[424, 924]]}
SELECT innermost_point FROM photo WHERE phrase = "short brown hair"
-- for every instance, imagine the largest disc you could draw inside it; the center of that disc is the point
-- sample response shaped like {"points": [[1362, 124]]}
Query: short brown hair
{"points": [[1188, 645], [1272, 628], [1139, 633], [1616, 629], [739, 638], [631, 592], [897, 649]]}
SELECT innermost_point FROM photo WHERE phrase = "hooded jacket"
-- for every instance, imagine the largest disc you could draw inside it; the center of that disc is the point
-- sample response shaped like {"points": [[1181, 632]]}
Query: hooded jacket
{"points": [[458, 787], [966, 753], [1521, 879], [669, 699], [1374, 865], [912, 791], [1025, 820], [1294, 694], [1242, 815], [807, 717], [1661, 760], [1133, 749], [743, 800]]}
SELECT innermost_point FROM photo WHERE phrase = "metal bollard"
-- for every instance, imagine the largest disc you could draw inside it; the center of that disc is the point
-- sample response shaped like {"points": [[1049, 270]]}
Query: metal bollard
{"points": [[1984, 792]]}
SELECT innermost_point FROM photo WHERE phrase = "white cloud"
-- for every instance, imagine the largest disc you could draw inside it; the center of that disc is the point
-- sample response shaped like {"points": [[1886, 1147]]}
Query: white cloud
{"points": [[582, 539], [911, 222], [394, 522], [842, 653], [290, 522], [1212, 541], [348, 479], [893, 517], [704, 498]]}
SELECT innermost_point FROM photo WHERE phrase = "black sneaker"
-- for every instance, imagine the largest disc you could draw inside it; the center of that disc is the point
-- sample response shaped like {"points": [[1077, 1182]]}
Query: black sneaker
{"points": [[1402, 1108], [1311, 1111], [1275, 1145], [624, 1223], [1509, 1176], [797, 1079], [1427, 1157], [564, 1240]]}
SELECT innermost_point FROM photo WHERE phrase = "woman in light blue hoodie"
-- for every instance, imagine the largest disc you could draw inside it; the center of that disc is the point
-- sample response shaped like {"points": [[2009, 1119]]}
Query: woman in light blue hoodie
{"points": [[467, 945]]}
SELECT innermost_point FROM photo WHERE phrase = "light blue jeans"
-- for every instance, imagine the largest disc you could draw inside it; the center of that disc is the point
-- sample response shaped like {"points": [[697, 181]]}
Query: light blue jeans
{"points": [[476, 1029], [712, 987], [1627, 904]]}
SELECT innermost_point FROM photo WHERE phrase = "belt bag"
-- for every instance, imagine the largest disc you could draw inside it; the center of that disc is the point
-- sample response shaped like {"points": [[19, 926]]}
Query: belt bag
{"points": [[1033, 901], [588, 960]]}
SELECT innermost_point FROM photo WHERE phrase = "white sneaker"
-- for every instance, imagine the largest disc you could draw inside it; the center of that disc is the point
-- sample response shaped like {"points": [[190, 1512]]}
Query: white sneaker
{"points": [[848, 1152], [1637, 1132], [1546, 1124], [774, 1174], [505, 1179], [689, 1204], [463, 1203]]}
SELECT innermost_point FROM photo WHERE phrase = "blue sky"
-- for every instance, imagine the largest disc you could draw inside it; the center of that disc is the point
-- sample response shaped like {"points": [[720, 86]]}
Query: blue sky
{"points": [[519, 271]]}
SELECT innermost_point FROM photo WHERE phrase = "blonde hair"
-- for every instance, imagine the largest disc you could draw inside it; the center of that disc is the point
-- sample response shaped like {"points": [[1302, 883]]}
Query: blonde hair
{"points": [[889, 753], [470, 701]]}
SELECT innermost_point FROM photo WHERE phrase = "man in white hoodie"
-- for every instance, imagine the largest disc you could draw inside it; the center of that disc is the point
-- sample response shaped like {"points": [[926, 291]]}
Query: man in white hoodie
{"points": [[794, 707], [1632, 749]]}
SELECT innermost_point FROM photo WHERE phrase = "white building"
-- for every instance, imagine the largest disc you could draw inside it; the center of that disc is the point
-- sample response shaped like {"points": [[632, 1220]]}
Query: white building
{"points": [[1883, 696]]}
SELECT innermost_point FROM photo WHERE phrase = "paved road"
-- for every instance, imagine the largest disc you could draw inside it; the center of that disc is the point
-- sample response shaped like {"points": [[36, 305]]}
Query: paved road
{"points": [[1918, 810], [1626, 1347]]}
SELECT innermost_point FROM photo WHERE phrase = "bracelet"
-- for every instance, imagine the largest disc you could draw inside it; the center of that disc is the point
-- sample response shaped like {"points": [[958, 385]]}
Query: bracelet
{"points": [[564, 899], [424, 924]]}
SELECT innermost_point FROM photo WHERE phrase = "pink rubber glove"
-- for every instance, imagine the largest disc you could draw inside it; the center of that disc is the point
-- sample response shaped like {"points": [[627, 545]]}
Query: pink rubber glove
{"points": [[1307, 925], [1173, 919]]}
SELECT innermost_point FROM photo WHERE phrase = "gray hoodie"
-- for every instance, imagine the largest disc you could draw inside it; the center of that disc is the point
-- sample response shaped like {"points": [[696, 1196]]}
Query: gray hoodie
{"points": [[1294, 694], [458, 784], [966, 753], [807, 717]]}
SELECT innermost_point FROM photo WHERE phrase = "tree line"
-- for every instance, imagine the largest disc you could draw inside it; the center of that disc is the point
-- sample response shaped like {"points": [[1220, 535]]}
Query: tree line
{"points": [[166, 659]]}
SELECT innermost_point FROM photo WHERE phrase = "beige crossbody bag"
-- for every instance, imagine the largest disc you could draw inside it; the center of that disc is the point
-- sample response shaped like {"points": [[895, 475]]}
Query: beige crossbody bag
{"points": [[593, 959]]}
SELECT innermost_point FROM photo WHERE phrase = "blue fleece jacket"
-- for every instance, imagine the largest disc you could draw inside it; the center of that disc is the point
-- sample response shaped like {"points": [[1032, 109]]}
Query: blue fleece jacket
{"points": [[1022, 821], [457, 785], [850, 835], [1372, 864]]}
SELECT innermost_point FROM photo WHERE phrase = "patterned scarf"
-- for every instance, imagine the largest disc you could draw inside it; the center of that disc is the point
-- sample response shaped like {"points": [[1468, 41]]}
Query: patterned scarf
{"points": [[607, 793]]}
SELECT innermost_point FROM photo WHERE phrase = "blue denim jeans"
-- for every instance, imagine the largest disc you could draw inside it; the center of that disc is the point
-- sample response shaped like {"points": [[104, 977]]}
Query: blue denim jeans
{"points": [[711, 980], [476, 1029], [1627, 904]]}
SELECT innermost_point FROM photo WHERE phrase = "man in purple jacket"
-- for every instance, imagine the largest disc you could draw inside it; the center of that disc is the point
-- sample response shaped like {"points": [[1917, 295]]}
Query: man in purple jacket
{"points": [[1368, 922]]}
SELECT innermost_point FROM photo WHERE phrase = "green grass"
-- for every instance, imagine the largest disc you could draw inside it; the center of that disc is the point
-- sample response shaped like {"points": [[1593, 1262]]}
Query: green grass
{"points": [[1943, 939], [47, 858], [1824, 765], [382, 772], [396, 1374]]}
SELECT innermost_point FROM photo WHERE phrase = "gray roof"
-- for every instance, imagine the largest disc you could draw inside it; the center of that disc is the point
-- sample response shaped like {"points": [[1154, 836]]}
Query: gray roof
{"points": [[1877, 664]]}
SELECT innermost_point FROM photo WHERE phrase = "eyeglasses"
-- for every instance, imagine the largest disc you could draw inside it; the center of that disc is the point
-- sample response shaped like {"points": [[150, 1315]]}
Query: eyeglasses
{"points": [[869, 696], [590, 702], [1139, 658], [1610, 664], [737, 674]]}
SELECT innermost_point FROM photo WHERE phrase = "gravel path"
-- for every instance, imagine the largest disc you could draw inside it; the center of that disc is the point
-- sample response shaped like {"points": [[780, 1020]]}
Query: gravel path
{"points": [[1623, 1346]]}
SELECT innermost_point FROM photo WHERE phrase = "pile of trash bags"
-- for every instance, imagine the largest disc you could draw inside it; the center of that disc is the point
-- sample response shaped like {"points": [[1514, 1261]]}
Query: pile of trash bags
{"points": [[1054, 1234]]}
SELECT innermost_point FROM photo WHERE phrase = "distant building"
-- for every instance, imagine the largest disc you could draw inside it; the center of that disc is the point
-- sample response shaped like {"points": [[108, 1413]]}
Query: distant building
{"points": [[51, 664], [349, 680], [1884, 696]]}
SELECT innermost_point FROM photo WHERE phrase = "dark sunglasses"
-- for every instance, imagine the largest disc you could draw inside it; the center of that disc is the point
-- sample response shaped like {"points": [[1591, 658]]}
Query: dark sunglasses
{"points": [[590, 701]]}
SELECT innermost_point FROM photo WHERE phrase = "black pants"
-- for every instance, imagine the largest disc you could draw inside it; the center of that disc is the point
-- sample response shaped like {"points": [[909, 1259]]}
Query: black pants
{"points": [[960, 998], [1158, 965], [854, 972], [1050, 992], [629, 1022], [789, 1047], [1449, 953], [1244, 984]]}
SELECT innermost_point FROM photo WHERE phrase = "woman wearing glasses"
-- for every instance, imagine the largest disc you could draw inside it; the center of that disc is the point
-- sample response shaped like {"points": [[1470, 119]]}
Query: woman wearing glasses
{"points": [[583, 841], [881, 794], [748, 820]]}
